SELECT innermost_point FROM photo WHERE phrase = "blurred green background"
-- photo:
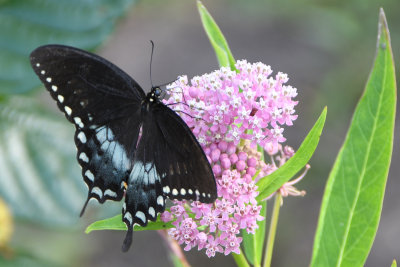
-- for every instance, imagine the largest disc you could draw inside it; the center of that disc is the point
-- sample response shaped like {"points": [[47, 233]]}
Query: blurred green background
{"points": [[326, 47]]}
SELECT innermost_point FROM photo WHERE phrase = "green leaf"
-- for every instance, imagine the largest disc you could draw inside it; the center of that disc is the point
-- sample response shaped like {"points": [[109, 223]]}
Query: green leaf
{"points": [[25, 25], [394, 263], [113, 223], [253, 243], [217, 39], [39, 178], [352, 202], [269, 184], [116, 223]]}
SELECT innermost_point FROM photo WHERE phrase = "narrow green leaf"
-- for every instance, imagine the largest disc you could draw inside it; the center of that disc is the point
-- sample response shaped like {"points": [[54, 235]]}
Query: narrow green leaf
{"points": [[353, 197], [253, 243], [394, 263], [217, 39], [116, 223], [272, 182], [25, 25]]}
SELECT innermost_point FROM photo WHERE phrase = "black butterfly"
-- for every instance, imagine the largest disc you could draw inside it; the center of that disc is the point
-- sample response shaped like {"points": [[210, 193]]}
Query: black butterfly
{"points": [[110, 110]]}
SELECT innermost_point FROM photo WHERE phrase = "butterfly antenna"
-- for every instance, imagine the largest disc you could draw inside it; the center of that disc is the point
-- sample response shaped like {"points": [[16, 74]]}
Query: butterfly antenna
{"points": [[151, 60]]}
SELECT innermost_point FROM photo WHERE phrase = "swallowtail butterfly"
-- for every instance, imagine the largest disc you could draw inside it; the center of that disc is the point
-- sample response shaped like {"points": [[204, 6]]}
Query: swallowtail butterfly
{"points": [[129, 143]]}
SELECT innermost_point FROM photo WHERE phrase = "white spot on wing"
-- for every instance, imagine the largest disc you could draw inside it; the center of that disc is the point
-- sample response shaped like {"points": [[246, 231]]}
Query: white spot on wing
{"points": [[128, 217], [79, 122], [197, 192], [48, 79], [115, 150], [105, 145], [152, 174], [68, 110], [136, 171], [204, 194], [54, 88], [82, 137], [152, 212], [104, 134], [60, 98], [89, 175], [141, 216], [43, 72], [124, 207], [183, 191], [37, 64], [97, 191], [84, 157], [166, 189], [110, 193], [160, 200], [174, 192], [190, 191]]}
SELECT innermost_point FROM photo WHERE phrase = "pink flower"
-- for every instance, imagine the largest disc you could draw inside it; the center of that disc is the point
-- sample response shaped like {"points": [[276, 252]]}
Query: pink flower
{"points": [[201, 240], [213, 246], [166, 216], [200, 209], [231, 113], [211, 220]]}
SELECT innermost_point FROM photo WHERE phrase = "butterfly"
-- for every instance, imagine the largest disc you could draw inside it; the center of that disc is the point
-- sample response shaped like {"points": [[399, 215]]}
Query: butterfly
{"points": [[129, 144]]}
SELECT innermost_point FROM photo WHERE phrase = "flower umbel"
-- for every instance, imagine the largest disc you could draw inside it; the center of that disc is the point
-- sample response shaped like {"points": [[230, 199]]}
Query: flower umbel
{"points": [[230, 113], [230, 106]]}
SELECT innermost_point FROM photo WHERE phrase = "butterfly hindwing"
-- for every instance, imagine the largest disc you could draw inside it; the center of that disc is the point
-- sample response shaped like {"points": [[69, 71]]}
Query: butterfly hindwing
{"points": [[144, 197], [169, 162], [103, 103]]}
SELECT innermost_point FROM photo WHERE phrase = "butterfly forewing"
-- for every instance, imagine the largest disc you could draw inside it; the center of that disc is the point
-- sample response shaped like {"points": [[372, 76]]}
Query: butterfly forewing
{"points": [[104, 104], [181, 161]]}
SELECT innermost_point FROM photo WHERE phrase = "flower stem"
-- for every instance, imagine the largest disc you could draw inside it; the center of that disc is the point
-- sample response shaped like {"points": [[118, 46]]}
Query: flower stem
{"points": [[176, 251], [240, 259], [272, 230]]}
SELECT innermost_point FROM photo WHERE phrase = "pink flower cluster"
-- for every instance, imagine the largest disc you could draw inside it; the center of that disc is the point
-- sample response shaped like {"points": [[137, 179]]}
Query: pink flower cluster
{"points": [[248, 104], [230, 113], [235, 209]]}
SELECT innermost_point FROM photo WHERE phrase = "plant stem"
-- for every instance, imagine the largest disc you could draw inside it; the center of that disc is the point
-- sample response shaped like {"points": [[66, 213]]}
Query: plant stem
{"points": [[272, 230], [175, 248], [240, 259]]}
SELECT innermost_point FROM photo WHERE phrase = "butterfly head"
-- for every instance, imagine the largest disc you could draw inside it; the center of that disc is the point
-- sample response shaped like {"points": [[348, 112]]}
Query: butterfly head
{"points": [[156, 91], [155, 94]]}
